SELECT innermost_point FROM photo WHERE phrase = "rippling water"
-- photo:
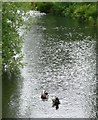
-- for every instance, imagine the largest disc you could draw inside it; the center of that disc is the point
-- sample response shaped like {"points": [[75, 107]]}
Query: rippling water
{"points": [[61, 58]]}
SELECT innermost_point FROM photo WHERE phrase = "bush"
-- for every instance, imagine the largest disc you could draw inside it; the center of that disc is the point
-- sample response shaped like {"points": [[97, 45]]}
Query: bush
{"points": [[57, 9], [82, 11], [91, 11], [44, 6], [12, 13]]}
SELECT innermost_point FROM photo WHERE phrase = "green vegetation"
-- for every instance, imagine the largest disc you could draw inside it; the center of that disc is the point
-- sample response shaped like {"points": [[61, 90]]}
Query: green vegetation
{"points": [[82, 11], [12, 13], [49, 7]]}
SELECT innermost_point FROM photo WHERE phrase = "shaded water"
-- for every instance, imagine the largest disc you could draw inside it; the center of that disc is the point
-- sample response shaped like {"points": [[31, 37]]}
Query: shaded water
{"points": [[59, 56]]}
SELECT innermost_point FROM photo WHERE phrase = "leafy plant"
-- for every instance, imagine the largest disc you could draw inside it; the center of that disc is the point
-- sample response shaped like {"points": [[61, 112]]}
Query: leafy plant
{"points": [[12, 13]]}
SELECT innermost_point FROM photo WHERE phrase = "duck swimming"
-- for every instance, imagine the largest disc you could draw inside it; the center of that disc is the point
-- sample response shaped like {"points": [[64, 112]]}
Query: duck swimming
{"points": [[55, 103], [44, 95]]}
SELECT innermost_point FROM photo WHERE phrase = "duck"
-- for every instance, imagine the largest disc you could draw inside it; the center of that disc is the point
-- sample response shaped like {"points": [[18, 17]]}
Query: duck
{"points": [[44, 95], [55, 103]]}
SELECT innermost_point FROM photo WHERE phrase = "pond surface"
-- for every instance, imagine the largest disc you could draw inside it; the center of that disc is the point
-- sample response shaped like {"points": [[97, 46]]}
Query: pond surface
{"points": [[60, 57]]}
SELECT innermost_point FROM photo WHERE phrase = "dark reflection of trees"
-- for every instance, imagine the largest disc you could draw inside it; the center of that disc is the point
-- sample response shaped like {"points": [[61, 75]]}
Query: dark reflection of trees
{"points": [[67, 28], [10, 90]]}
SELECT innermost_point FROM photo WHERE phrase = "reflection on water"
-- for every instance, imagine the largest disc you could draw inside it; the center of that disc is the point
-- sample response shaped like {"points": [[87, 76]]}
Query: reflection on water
{"points": [[61, 58]]}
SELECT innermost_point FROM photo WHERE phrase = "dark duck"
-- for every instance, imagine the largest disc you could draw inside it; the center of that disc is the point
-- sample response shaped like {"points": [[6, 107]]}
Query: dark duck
{"points": [[55, 103]]}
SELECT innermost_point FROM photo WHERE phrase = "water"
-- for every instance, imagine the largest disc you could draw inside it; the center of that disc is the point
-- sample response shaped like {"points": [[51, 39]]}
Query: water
{"points": [[60, 57]]}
